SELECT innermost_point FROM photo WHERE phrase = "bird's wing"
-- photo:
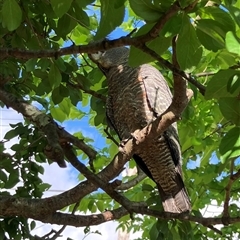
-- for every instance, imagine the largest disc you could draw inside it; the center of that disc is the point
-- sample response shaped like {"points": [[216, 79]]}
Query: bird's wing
{"points": [[159, 99], [158, 93]]}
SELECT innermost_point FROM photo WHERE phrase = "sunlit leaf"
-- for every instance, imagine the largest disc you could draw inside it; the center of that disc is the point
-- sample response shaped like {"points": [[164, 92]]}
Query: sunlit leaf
{"points": [[230, 145], [58, 114], [232, 43]]}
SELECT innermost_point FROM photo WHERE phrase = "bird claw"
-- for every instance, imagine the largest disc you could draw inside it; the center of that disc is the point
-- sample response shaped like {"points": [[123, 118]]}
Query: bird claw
{"points": [[137, 136], [122, 144]]}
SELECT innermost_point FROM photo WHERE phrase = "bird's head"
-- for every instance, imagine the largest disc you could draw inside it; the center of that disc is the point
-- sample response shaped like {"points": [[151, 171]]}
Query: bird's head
{"points": [[110, 58]]}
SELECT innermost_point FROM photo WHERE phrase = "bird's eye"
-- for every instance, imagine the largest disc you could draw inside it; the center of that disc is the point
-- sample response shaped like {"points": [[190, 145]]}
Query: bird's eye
{"points": [[96, 56]]}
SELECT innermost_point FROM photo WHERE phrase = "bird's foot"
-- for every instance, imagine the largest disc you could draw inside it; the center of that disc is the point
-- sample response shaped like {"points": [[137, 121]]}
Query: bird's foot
{"points": [[122, 144], [137, 136]]}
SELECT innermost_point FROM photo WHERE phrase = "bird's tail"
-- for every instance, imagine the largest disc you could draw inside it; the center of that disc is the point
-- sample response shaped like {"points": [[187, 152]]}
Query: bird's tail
{"points": [[177, 201]]}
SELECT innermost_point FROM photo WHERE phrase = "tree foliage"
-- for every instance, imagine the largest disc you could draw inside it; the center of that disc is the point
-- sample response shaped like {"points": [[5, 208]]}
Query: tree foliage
{"points": [[44, 64]]}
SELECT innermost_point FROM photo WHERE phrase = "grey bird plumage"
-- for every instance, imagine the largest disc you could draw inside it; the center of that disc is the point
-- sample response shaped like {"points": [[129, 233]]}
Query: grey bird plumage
{"points": [[136, 96]]}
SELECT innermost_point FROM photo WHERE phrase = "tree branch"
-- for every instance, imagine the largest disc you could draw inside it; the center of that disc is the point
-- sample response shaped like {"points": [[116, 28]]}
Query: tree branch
{"points": [[23, 207], [94, 47], [232, 178], [54, 134], [89, 91], [124, 186], [205, 74], [138, 208], [170, 66], [98, 182]]}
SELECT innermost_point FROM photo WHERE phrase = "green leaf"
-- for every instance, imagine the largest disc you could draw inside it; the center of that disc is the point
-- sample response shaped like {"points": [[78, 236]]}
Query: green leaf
{"points": [[230, 145], [16, 147], [44, 63], [58, 114], [54, 76], [185, 3], [30, 64], [56, 96], [217, 86], [10, 134], [66, 106], [11, 14], [32, 225], [210, 34], [146, 10], [220, 16], [65, 25], [225, 59], [84, 3], [86, 230], [230, 108], [235, 13], [60, 7], [44, 187], [99, 119], [110, 18], [232, 43], [3, 176], [83, 80], [172, 26], [100, 205], [75, 96], [13, 179], [147, 187], [159, 45], [233, 84], [81, 15], [60, 64], [189, 51]]}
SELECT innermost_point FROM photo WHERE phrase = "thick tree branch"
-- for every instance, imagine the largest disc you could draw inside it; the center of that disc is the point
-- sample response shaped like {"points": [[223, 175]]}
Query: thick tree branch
{"points": [[138, 208], [93, 47]]}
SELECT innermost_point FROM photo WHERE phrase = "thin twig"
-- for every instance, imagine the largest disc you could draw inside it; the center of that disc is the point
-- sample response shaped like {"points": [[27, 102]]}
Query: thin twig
{"points": [[88, 64], [109, 136], [49, 234], [204, 74], [167, 64], [216, 130], [232, 178], [89, 91], [124, 186]]}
